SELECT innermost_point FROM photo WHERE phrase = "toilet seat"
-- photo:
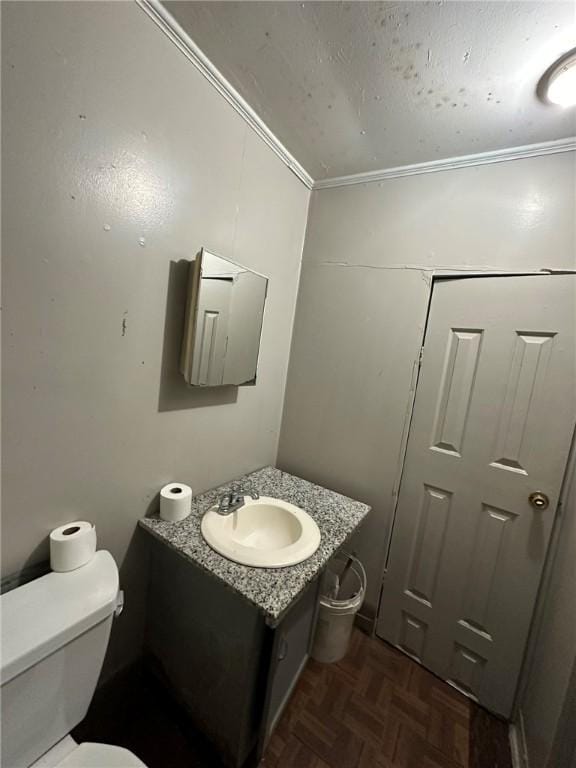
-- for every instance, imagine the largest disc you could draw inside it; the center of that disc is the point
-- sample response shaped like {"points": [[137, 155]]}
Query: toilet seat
{"points": [[89, 755]]}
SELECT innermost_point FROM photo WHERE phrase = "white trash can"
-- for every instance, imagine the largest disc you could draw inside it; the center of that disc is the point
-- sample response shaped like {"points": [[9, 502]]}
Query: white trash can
{"points": [[336, 612]]}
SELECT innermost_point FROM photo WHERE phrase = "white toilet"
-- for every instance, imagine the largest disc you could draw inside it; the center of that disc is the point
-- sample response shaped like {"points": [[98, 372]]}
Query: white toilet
{"points": [[55, 632]]}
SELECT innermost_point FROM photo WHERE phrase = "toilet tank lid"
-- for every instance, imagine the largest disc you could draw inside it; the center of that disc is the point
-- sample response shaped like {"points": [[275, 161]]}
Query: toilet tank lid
{"points": [[41, 616]]}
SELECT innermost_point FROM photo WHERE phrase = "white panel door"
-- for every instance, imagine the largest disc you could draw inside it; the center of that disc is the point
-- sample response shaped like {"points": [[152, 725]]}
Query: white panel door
{"points": [[492, 423]]}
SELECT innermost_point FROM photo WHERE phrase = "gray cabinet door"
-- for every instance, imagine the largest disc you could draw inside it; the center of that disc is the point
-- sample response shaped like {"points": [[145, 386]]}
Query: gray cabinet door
{"points": [[290, 651]]}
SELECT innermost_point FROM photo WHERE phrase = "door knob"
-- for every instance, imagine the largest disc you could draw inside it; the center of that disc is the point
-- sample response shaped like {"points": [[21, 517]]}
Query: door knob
{"points": [[539, 500]]}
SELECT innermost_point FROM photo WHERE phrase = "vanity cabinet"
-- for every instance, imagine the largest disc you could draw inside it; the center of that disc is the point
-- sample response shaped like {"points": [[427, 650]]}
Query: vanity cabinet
{"points": [[231, 670], [230, 641]]}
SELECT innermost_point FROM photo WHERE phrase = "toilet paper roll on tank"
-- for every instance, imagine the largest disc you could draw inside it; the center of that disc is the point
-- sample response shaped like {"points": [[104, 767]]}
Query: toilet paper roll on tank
{"points": [[72, 546]]}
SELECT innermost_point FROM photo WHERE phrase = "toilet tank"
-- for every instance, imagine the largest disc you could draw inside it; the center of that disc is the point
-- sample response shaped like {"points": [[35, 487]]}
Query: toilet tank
{"points": [[54, 635]]}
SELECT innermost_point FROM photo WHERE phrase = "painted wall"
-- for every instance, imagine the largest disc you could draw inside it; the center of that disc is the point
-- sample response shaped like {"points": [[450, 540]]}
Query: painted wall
{"points": [[547, 703], [119, 162], [362, 307]]}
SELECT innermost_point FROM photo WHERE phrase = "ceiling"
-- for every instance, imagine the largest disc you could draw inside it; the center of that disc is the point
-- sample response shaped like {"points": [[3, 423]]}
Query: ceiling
{"points": [[351, 87]]}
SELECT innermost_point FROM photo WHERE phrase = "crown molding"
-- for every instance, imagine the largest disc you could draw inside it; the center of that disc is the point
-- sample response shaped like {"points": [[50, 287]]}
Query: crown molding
{"points": [[166, 22], [452, 163]]}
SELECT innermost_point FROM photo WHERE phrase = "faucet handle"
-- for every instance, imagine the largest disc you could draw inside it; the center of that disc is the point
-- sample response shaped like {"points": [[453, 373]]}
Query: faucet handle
{"points": [[245, 490], [233, 500], [252, 492], [225, 501]]}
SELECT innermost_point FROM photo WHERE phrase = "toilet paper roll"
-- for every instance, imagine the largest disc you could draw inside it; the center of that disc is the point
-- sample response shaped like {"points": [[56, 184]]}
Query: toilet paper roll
{"points": [[72, 546], [175, 502]]}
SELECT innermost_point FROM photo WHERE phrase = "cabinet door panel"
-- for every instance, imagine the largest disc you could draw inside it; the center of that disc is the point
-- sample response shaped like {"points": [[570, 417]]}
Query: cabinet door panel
{"points": [[290, 653]]}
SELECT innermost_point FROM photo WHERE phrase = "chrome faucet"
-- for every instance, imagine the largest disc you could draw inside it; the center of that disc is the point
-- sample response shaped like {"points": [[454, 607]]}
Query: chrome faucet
{"points": [[231, 502]]}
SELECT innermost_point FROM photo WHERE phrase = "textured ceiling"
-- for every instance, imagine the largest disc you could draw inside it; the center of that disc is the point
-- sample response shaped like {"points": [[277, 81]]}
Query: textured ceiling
{"points": [[359, 86]]}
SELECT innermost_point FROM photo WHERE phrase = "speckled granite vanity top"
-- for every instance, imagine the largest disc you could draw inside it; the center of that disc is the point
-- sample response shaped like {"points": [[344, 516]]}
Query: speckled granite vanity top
{"points": [[272, 590]]}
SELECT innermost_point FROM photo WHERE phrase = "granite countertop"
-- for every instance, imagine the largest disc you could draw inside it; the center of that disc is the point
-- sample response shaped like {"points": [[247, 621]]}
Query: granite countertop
{"points": [[272, 590]]}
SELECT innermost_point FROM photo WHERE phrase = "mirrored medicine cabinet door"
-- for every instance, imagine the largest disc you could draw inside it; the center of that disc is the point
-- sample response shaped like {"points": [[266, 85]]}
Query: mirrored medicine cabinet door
{"points": [[223, 325]]}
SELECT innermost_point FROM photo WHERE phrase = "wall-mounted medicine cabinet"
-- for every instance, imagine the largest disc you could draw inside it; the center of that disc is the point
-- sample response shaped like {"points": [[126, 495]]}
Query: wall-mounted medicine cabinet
{"points": [[223, 325]]}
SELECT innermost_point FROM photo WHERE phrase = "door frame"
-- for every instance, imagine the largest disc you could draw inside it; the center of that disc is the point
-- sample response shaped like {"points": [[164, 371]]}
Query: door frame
{"points": [[434, 276], [564, 737]]}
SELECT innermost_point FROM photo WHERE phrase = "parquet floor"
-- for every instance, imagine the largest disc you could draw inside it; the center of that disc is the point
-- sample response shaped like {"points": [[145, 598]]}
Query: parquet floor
{"points": [[379, 709]]}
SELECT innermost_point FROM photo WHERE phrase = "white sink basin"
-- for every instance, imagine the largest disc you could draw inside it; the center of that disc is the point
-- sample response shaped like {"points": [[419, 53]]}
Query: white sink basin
{"points": [[264, 533]]}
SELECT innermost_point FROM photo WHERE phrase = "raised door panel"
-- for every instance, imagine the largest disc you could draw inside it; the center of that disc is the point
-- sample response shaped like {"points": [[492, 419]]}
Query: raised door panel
{"points": [[494, 528], [523, 407], [428, 544], [455, 392]]}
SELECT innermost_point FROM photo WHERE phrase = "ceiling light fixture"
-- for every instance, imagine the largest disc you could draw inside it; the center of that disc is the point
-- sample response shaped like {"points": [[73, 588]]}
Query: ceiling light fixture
{"points": [[560, 81]]}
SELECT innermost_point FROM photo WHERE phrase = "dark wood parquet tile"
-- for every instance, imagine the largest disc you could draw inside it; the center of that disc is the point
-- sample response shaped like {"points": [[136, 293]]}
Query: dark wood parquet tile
{"points": [[379, 709]]}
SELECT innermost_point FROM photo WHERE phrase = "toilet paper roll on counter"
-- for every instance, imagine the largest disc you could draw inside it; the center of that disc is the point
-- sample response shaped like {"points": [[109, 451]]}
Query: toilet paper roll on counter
{"points": [[175, 502], [72, 546]]}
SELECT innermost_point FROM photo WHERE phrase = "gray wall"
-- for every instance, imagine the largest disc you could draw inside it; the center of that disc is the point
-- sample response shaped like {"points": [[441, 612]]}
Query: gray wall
{"points": [[547, 705], [111, 136], [362, 307]]}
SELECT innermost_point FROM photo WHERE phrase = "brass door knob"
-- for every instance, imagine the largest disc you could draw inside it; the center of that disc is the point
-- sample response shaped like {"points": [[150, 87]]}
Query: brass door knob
{"points": [[539, 500]]}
